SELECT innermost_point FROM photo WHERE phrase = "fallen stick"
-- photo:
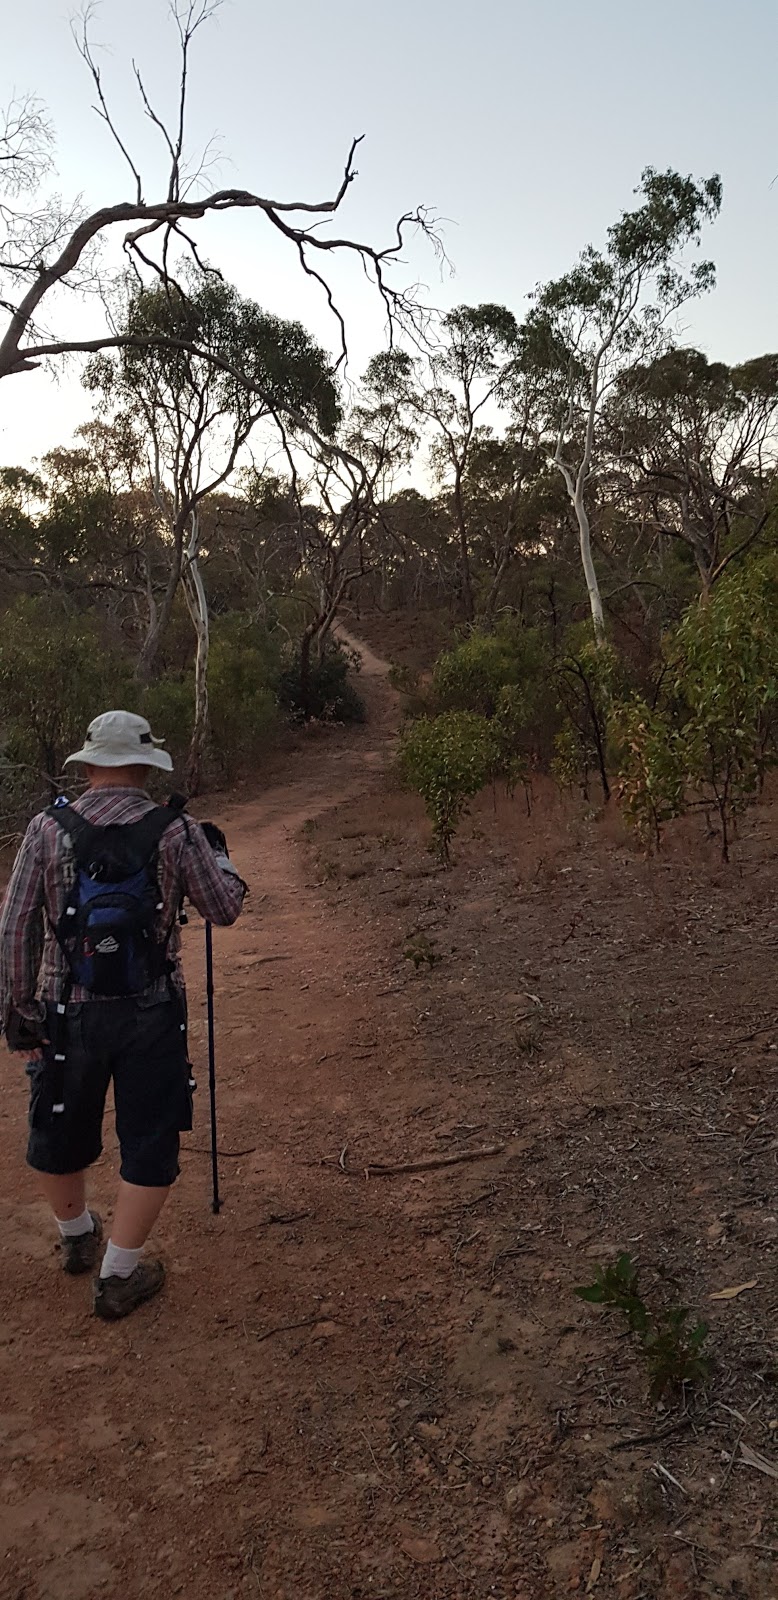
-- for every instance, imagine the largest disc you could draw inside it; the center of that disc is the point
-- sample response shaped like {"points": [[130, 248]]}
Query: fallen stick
{"points": [[379, 1169], [754, 1458], [276, 1216], [745, 1038], [288, 1327], [231, 1155], [652, 1438]]}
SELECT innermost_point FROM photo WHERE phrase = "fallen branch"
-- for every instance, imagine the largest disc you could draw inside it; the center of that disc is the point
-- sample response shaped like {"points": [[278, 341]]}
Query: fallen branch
{"points": [[669, 1477], [652, 1438], [745, 1038], [380, 1169], [231, 1155], [288, 1327], [754, 1458], [292, 1216]]}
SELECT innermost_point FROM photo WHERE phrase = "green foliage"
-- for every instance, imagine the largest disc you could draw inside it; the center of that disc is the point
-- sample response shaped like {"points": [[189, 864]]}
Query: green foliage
{"points": [[471, 677], [243, 678], [503, 676], [510, 726], [570, 763], [616, 1286], [601, 295], [168, 704], [649, 757], [243, 699], [714, 730], [56, 673], [588, 677], [414, 693], [673, 1351], [326, 695], [447, 760], [421, 951], [724, 663], [277, 357]]}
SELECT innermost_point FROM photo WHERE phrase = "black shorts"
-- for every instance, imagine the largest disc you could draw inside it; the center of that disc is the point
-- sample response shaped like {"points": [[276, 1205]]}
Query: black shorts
{"points": [[142, 1047]]}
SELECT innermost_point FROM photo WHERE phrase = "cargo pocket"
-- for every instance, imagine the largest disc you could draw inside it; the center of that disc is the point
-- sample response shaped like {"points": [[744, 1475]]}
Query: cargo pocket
{"points": [[40, 1113]]}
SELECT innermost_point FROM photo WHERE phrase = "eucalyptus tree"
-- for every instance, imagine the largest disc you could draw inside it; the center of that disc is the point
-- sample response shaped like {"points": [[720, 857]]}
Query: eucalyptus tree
{"points": [[451, 385], [610, 313], [695, 449], [208, 368]]}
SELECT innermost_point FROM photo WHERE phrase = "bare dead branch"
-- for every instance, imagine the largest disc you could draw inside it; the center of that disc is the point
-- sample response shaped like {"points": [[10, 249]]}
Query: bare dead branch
{"points": [[84, 48]]}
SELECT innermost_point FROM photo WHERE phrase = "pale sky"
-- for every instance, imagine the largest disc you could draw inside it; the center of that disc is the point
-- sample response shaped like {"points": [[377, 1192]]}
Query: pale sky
{"points": [[524, 123]]}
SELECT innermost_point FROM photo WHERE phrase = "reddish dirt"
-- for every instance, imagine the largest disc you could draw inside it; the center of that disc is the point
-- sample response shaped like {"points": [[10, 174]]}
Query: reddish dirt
{"points": [[378, 1387]]}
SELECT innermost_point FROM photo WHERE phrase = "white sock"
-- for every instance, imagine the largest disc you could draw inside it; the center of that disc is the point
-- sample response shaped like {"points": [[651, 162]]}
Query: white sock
{"points": [[118, 1263], [73, 1227]]}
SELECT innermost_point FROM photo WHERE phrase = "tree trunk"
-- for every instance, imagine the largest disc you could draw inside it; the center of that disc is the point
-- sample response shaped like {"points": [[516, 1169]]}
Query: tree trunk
{"points": [[590, 572], [197, 603], [497, 583], [306, 645], [159, 618], [464, 551]]}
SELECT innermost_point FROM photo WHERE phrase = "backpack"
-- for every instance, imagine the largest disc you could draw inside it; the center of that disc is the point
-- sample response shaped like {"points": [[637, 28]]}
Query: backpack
{"points": [[108, 928]]}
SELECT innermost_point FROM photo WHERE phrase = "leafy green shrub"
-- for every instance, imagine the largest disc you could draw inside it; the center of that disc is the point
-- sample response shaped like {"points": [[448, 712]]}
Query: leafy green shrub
{"points": [[472, 676], [589, 676], [328, 696], [243, 694], [724, 665], [713, 731], [570, 763], [421, 951], [243, 670], [168, 704], [57, 672], [447, 760], [414, 693], [649, 756], [672, 1350], [403, 679]]}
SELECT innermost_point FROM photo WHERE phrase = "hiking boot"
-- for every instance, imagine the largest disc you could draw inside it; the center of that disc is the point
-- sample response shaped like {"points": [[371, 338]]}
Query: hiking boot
{"points": [[81, 1254], [117, 1297]]}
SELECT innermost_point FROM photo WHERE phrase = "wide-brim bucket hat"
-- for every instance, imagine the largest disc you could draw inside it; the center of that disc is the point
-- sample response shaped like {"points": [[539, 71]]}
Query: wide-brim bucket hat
{"points": [[120, 739]]}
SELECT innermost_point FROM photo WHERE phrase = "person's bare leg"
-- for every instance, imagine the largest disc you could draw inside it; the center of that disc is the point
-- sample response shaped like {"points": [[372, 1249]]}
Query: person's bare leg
{"points": [[135, 1213], [66, 1194]]}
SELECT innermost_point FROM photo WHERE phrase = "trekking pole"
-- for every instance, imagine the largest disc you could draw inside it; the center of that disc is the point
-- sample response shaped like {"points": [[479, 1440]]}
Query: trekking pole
{"points": [[211, 1062]]}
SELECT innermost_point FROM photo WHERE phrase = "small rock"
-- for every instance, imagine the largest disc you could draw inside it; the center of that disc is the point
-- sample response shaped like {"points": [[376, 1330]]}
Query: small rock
{"points": [[518, 1497], [429, 1430], [425, 1552]]}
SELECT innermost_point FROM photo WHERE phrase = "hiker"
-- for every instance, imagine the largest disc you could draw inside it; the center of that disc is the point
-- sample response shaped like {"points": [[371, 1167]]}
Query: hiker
{"points": [[91, 989]]}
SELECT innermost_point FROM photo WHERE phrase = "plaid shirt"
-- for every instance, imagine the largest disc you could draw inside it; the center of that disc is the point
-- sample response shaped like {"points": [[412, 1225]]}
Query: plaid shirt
{"points": [[33, 968]]}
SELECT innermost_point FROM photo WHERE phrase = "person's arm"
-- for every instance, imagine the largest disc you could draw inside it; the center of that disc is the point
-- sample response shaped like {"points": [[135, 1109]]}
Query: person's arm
{"points": [[21, 938], [210, 880]]}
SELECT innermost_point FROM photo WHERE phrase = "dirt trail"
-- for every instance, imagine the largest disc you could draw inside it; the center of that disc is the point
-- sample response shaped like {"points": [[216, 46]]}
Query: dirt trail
{"points": [[193, 1450], [388, 1388]]}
